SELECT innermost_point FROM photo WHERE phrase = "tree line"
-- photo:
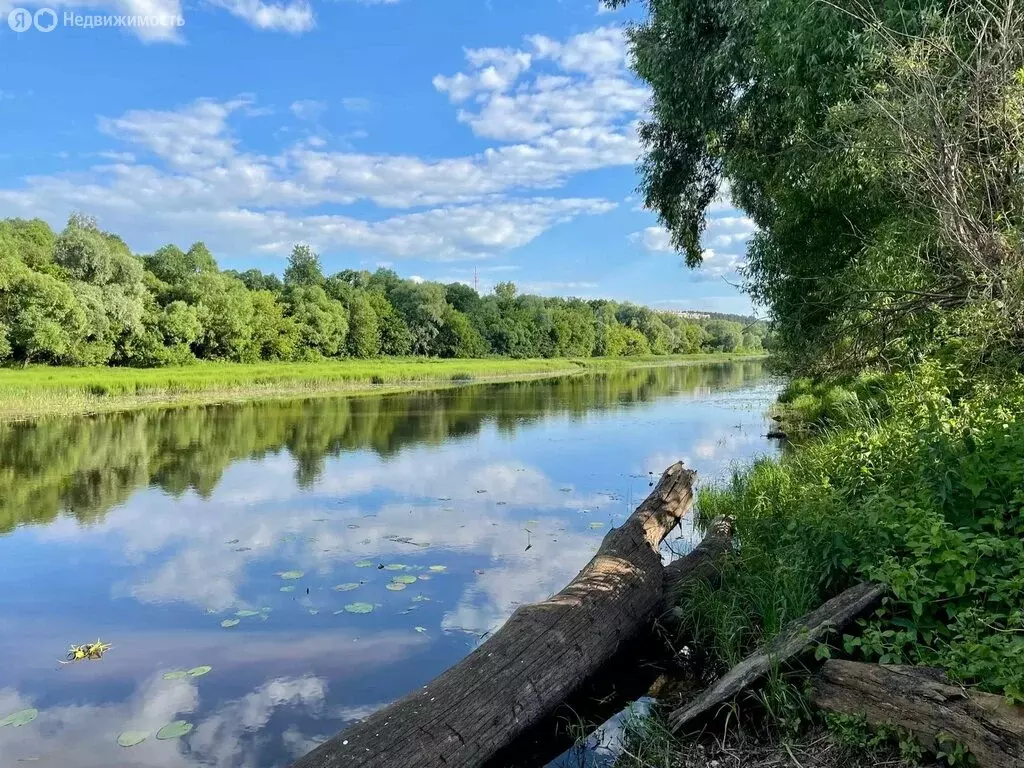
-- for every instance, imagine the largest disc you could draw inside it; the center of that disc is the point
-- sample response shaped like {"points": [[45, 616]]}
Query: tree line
{"points": [[81, 297]]}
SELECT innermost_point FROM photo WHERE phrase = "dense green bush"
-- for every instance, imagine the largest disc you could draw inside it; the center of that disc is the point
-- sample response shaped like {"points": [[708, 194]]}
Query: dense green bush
{"points": [[929, 501]]}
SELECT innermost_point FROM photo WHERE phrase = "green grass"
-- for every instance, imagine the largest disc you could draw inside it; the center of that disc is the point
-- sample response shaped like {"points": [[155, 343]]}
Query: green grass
{"points": [[49, 391]]}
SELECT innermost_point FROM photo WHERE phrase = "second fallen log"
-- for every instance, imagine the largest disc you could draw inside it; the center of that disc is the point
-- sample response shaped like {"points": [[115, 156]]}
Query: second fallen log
{"points": [[833, 616], [928, 704], [532, 664]]}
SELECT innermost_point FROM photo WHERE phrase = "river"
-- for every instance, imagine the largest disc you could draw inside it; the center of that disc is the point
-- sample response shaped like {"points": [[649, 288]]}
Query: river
{"points": [[322, 556]]}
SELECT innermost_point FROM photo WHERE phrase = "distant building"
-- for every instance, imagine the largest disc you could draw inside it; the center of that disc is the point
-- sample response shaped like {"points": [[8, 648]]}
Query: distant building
{"points": [[688, 314]]}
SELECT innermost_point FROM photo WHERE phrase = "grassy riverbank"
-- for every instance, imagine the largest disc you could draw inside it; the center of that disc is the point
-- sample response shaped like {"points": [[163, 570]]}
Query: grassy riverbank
{"points": [[40, 391], [911, 480]]}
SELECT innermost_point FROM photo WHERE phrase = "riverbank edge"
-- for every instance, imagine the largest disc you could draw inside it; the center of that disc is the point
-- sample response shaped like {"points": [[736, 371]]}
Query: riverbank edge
{"points": [[49, 392]]}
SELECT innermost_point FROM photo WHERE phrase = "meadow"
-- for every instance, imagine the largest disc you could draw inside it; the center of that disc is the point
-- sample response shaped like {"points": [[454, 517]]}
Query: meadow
{"points": [[38, 391]]}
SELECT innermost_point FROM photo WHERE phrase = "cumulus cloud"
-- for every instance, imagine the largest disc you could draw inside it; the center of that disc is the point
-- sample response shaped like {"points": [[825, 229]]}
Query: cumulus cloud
{"points": [[555, 108], [308, 109], [514, 100], [725, 240]]}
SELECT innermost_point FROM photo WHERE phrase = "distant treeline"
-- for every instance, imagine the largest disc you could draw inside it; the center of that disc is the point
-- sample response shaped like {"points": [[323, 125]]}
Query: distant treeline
{"points": [[82, 297]]}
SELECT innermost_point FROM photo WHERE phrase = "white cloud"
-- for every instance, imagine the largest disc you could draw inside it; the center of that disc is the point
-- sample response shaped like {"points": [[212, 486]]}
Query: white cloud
{"points": [[295, 17], [601, 50], [590, 88], [183, 173], [723, 232], [654, 239], [496, 70], [308, 109]]}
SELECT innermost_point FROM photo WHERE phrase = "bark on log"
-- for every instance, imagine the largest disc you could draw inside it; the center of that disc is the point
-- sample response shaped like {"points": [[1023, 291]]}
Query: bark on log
{"points": [[702, 563], [926, 703], [833, 616], [540, 656]]}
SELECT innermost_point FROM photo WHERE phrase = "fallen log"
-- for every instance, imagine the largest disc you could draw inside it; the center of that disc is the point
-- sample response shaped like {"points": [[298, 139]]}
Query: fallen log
{"points": [[833, 616], [637, 670], [532, 664], [701, 564], [925, 702]]}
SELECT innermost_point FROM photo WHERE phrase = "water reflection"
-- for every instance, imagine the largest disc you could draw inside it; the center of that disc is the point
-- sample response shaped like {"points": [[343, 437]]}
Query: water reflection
{"points": [[149, 529]]}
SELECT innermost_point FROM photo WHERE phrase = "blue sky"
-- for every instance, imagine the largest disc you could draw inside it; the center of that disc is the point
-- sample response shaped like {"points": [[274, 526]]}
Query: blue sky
{"points": [[432, 136]]}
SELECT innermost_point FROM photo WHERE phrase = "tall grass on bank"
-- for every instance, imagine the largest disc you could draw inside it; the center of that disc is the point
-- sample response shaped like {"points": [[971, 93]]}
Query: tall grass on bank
{"points": [[44, 390], [915, 481]]}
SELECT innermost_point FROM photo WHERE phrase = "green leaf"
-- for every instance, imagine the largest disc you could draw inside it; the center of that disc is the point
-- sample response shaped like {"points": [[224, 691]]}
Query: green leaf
{"points": [[20, 718], [364, 564], [131, 738], [200, 671], [292, 575], [439, 568], [359, 607], [177, 674], [347, 587], [174, 730], [228, 623], [396, 586], [405, 578]]}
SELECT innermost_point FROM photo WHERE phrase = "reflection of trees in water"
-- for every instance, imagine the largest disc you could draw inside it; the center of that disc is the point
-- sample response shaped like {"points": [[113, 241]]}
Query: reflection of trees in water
{"points": [[85, 466]]}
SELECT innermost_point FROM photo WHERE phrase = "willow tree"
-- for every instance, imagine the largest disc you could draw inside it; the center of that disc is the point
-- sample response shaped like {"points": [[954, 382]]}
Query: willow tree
{"points": [[787, 108]]}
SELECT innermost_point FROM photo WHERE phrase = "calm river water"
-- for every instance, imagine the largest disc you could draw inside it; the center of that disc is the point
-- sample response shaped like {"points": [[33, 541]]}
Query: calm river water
{"points": [[322, 557]]}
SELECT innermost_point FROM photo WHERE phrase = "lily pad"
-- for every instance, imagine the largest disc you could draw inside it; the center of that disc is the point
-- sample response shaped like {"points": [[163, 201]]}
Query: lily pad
{"points": [[364, 564], [200, 671], [131, 738], [405, 578], [292, 575], [396, 586], [420, 629], [174, 730], [359, 607], [347, 587], [290, 588], [228, 623], [424, 577], [596, 524], [246, 613], [177, 674], [20, 718], [396, 567], [438, 568]]}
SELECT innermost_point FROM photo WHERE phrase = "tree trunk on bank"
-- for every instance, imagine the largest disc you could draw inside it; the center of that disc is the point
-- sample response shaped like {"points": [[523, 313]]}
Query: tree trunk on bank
{"points": [[833, 616], [926, 703], [702, 564], [637, 670], [540, 656]]}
